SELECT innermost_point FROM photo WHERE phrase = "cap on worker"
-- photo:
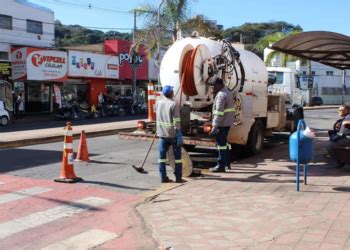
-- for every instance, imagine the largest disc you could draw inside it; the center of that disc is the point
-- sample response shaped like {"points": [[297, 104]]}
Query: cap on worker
{"points": [[167, 90]]}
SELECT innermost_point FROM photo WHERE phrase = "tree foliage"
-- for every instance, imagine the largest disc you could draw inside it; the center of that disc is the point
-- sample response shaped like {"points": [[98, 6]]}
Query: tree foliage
{"points": [[203, 26], [68, 35], [172, 14], [251, 33], [268, 40]]}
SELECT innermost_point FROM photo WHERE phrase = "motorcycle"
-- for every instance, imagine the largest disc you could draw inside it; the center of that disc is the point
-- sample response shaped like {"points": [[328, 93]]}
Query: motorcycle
{"points": [[84, 110], [65, 112]]}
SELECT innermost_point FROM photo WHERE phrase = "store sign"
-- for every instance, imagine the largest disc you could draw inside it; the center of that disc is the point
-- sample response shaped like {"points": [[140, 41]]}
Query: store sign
{"points": [[5, 68], [93, 65], [38, 64], [18, 60], [47, 65]]}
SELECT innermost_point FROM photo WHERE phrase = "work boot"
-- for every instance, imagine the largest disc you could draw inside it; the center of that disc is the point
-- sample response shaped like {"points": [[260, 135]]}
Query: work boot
{"points": [[217, 169], [180, 180], [340, 165], [166, 180]]}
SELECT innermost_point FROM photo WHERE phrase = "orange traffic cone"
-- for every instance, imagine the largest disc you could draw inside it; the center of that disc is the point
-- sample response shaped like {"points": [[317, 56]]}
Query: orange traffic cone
{"points": [[151, 102], [83, 154], [67, 171]]}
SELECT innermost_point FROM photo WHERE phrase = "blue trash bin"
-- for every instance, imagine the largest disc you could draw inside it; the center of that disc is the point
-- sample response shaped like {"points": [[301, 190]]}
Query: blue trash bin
{"points": [[300, 150], [305, 147]]}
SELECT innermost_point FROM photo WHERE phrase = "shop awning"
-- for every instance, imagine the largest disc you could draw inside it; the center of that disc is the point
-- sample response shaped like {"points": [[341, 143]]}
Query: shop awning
{"points": [[329, 48]]}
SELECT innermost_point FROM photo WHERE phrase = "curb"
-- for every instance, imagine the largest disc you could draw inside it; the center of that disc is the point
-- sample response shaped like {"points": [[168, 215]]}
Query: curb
{"points": [[58, 138], [321, 107]]}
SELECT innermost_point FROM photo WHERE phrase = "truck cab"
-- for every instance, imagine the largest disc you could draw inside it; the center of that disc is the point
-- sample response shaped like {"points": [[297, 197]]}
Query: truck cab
{"points": [[288, 83], [4, 114]]}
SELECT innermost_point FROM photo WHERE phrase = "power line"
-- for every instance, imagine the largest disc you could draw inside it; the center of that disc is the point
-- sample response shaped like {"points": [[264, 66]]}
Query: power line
{"points": [[70, 25], [87, 6]]}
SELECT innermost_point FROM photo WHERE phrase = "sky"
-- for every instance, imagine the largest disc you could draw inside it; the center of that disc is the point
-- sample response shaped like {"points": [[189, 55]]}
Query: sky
{"points": [[311, 15]]}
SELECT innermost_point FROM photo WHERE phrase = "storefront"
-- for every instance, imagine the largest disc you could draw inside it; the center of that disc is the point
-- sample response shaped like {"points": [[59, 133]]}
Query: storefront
{"points": [[6, 86], [122, 49], [93, 71], [35, 73]]}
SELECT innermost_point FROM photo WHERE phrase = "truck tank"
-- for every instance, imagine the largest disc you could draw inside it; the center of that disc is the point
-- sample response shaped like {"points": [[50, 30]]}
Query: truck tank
{"points": [[191, 62]]}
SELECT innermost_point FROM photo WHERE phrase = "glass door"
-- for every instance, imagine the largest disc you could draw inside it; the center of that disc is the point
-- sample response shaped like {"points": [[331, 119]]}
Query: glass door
{"points": [[38, 97]]}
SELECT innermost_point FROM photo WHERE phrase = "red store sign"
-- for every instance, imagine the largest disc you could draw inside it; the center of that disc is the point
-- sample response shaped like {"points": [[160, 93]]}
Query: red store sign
{"points": [[38, 64], [121, 48]]}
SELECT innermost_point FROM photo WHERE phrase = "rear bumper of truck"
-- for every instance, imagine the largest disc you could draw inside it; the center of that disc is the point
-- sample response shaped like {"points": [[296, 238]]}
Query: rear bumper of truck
{"points": [[187, 140]]}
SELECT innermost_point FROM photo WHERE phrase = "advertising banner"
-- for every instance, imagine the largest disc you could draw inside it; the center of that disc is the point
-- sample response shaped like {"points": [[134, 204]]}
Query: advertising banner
{"points": [[126, 61], [38, 64], [93, 65], [18, 61], [46, 65], [5, 68], [58, 98]]}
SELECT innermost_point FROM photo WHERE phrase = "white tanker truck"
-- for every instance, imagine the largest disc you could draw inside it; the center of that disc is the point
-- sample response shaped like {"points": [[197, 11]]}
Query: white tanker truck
{"points": [[190, 63]]}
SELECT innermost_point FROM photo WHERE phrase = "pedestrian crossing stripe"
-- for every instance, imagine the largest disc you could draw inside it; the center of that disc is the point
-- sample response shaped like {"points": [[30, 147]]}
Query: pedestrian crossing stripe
{"points": [[85, 240], [22, 194], [40, 218]]}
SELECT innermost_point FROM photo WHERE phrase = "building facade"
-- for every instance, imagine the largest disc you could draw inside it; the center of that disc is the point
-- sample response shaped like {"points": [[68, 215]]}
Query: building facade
{"points": [[328, 82], [21, 24]]}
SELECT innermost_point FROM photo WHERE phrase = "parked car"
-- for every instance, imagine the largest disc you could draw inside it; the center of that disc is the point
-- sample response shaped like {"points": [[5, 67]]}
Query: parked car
{"points": [[4, 114], [316, 101]]}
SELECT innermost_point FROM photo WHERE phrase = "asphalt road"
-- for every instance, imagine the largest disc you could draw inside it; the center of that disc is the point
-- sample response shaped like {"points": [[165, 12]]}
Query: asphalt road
{"points": [[321, 119], [112, 159], [45, 121], [110, 165]]}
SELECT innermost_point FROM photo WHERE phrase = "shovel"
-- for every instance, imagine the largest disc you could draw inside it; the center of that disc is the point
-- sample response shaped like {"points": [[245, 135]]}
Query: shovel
{"points": [[141, 169]]}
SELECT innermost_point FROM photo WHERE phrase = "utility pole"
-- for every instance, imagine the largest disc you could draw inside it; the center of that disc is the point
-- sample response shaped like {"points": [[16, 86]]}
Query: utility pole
{"points": [[133, 55], [309, 82]]}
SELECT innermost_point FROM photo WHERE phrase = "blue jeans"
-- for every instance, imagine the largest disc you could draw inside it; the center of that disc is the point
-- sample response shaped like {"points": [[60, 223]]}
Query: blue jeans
{"points": [[164, 144], [222, 147]]}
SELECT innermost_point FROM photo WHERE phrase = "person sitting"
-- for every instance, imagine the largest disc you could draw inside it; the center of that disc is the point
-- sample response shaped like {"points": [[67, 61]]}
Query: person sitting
{"points": [[340, 135]]}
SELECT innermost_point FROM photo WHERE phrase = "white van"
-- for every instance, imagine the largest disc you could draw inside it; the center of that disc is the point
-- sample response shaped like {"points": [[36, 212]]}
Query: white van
{"points": [[4, 115]]}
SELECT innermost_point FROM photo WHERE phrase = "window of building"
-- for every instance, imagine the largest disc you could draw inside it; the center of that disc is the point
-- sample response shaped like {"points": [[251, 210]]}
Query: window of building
{"points": [[5, 22], [34, 27], [4, 55], [313, 73], [329, 73], [304, 73]]}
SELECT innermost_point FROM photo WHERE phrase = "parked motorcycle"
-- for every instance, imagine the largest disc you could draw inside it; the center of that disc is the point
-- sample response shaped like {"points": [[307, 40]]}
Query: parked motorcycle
{"points": [[65, 112]]}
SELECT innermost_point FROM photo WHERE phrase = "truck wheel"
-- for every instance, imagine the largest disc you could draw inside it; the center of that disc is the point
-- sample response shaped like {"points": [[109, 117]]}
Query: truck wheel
{"points": [[4, 120], [256, 138]]}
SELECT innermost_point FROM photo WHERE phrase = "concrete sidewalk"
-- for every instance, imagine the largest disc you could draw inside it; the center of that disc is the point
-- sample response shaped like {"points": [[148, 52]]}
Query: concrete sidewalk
{"points": [[38, 136], [255, 206]]}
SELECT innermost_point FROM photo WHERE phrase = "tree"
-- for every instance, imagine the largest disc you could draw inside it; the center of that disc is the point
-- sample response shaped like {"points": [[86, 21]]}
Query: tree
{"points": [[172, 14], [268, 40], [250, 33], [68, 35], [203, 26]]}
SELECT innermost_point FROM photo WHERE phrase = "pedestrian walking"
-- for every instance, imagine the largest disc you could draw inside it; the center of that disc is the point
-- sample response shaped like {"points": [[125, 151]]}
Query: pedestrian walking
{"points": [[169, 132], [20, 106], [223, 119]]}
